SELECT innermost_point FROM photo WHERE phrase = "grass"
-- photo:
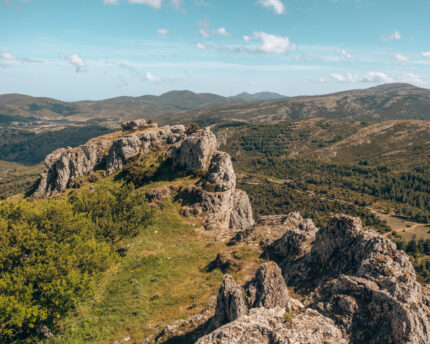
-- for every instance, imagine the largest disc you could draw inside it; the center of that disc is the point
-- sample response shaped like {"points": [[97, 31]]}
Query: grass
{"points": [[160, 280]]}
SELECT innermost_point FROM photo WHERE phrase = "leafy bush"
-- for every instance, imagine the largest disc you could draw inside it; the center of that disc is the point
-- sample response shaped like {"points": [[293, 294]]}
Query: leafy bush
{"points": [[51, 252]]}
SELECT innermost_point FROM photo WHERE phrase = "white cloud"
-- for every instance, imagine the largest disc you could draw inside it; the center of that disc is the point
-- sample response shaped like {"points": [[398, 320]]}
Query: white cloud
{"points": [[340, 78], [247, 38], [110, 2], [401, 58], [222, 32], [152, 3], [253, 83], [344, 55], [395, 36], [277, 5], [204, 27], [412, 79], [376, 77], [162, 32], [426, 54], [76, 61], [152, 78], [201, 46], [272, 44], [10, 58]]}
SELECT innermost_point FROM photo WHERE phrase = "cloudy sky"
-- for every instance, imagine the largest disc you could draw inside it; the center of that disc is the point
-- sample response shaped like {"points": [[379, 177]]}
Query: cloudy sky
{"points": [[95, 49]]}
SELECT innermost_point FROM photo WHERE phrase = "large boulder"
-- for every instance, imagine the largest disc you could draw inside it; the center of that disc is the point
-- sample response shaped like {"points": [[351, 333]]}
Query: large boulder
{"points": [[122, 149], [277, 326], [262, 312], [196, 151], [230, 302], [241, 214], [64, 165], [133, 124], [221, 173]]}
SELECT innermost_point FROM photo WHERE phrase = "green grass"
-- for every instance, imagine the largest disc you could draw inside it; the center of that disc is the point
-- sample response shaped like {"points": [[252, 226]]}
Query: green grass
{"points": [[161, 279]]}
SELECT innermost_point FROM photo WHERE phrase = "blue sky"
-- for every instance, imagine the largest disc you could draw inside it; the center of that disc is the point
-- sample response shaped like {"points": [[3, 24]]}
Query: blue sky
{"points": [[96, 49]]}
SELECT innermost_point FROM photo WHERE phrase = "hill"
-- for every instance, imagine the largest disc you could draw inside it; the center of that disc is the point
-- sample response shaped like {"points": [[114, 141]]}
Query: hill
{"points": [[385, 102], [128, 237], [259, 96]]}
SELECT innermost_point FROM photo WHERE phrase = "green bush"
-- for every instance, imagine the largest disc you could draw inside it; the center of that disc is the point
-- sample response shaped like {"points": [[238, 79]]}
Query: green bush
{"points": [[51, 252]]}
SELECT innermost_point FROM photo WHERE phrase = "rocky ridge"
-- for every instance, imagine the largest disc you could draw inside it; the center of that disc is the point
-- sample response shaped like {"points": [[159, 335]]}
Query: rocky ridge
{"points": [[215, 195], [356, 288]]}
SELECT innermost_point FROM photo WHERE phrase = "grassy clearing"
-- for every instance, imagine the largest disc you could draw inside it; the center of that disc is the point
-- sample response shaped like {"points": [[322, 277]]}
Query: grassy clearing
{"points": [[161, 279]]}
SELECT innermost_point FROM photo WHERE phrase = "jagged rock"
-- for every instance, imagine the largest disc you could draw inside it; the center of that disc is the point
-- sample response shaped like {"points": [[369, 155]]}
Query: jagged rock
{"points": [[230, 302], [221, 173], [268, 288], [196, 152], [218, 207], [122, 149], [273, 326], [64, 165], [241, 215], [133, 125], [271, 228], [360, 280]]}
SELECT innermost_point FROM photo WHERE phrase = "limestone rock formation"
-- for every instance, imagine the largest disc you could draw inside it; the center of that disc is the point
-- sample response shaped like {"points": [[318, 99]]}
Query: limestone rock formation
{"points": [[230, 302], [359, 279], [241, 214], [276, 326], [262, 312], [133, 125], [196, 151], [225, 207], [122, 149], [64, 165]]}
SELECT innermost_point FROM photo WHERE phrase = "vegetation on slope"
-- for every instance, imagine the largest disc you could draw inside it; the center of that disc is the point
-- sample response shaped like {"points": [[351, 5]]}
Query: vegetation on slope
{"points": [[322, 167]]}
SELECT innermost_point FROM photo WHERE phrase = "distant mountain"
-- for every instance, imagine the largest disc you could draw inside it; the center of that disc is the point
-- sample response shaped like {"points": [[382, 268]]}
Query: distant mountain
{"points": [[17, 106], [385, 102], [258, 96]]}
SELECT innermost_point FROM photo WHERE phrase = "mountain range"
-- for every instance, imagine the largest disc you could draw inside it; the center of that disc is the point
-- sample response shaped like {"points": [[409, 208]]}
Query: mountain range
{"points": [[385, 102]]}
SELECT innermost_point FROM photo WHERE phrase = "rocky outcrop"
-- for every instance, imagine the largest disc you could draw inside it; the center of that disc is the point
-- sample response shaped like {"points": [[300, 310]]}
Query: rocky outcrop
{"points": [[64, 165], [224, 206], [357, 288], [262, 312], [122, 149], [142, 142], [133, 125], [359, 279], [276, 326], [241, 214], [270, 229], [196, 151]]}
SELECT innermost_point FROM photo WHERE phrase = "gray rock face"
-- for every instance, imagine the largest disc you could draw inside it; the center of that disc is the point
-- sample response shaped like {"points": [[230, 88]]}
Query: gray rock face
{"points": [[262, 312], [64, 165], [230, 302], [122, 149], [271, 326], [133, 125], [196, 152], [359, 279], [268, 288], [241, 214], [221, 173]]}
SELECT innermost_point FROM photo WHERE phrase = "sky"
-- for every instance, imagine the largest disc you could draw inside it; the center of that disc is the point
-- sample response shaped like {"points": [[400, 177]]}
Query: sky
{"points": [[98, 49]]}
